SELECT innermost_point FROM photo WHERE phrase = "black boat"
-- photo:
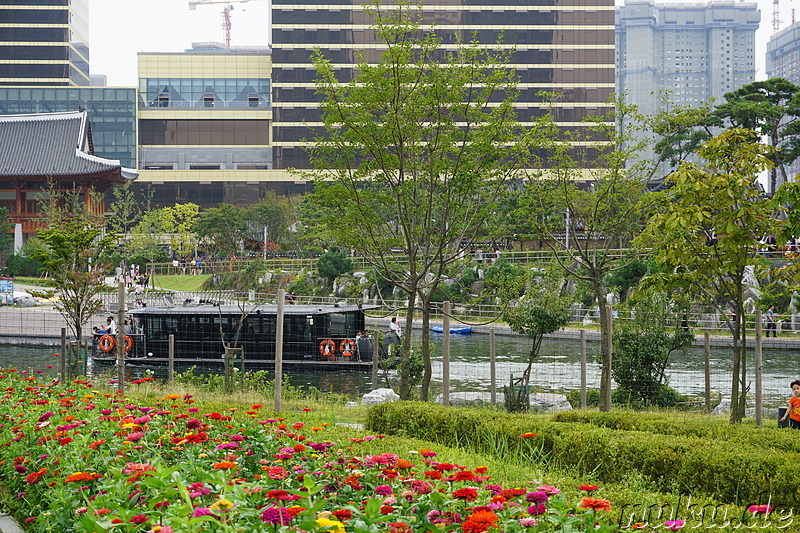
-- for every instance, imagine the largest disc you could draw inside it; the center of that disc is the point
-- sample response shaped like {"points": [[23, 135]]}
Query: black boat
{"points": [[315, 335]]}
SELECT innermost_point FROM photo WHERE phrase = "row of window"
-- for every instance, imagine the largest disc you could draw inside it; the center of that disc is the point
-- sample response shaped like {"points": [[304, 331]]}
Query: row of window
{"points": [[529, 75], [159, 132], [43, 35], [524, 3], [522, 56], [510, 17], [509, 36], [34, 16]]}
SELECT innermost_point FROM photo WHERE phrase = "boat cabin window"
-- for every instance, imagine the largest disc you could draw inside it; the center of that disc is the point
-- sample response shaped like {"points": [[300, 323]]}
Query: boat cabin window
{"points": [[342, 324]]}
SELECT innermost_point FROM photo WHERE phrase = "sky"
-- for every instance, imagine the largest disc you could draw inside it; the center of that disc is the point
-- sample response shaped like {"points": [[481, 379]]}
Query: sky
{"points": [[119, 29]]}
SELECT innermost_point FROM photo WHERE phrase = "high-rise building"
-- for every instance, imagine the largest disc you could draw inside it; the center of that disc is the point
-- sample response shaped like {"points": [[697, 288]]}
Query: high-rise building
{"points": [[562, 46], [205, 123], [783, 61], [688, 53], [44, 42]]}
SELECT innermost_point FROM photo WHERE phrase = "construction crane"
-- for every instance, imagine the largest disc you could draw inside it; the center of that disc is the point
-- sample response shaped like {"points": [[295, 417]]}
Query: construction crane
{"points": [[776, 16], [226, 14]]}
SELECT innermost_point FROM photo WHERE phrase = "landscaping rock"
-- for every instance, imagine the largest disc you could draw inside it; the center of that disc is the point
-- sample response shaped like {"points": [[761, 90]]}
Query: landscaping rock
{"points": [[549, 402], [465, 399], [724, 407], [380, 396]]}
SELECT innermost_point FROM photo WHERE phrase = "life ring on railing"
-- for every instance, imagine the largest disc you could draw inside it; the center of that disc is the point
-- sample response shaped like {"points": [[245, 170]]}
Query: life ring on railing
{"points": [[128, 343], [106, 343], [347, 347], [327, 348]]}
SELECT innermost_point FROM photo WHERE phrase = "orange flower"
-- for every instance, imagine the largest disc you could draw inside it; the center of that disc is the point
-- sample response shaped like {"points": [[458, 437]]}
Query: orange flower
{"points": [[82, 476], [595, 504], [403, 464], [480, 521], [528, 435], [223, 465]]}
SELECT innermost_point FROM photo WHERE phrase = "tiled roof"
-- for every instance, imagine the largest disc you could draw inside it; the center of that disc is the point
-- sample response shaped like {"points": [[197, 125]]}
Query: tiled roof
{"points": [[50, 145]]}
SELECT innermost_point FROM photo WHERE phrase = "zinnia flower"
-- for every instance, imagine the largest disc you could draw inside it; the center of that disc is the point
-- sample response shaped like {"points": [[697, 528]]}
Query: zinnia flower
{"points": [[764, 508], [480, 521], [468, 494], [276, 515], [595, 503], [528, 522], [537, 509], [588, 488], [224, 465], [674, 525], [337, 527], [222, 505], [537, 496]]}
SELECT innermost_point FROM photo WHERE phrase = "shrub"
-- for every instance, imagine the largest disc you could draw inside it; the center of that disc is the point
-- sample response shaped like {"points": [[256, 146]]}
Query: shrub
{"points": [[20, 265]]}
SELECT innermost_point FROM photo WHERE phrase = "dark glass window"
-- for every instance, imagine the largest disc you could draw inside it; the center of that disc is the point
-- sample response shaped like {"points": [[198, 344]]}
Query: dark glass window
{"points": [[204, 132], [53, 35], [35, 16], [34, 52]]}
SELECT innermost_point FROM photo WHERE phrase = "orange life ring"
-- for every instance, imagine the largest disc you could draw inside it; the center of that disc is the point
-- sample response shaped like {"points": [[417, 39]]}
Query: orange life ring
{"points": [[327, 348], [128, 343], [347, 347], [106, 343]]}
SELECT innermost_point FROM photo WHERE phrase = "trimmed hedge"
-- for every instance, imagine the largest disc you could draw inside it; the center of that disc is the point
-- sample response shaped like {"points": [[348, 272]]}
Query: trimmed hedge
{"points": [[730, 469]]}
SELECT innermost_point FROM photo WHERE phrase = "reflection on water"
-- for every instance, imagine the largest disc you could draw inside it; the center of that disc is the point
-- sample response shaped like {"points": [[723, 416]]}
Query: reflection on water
{"points": [[556, 369]]}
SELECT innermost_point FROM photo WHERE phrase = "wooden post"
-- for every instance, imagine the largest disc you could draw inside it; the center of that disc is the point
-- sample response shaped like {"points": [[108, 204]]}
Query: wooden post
{"points": [[62, 365], [376, 350], [279, 350], [707, 357], [446, 355], [492, 367], [121, 338], [759, 360], [171, 355], [583, 369]]}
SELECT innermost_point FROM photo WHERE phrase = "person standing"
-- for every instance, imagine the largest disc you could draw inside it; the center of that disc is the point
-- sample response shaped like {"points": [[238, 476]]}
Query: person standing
{"points": [[771, 324], [793, 413], [394, 327]]}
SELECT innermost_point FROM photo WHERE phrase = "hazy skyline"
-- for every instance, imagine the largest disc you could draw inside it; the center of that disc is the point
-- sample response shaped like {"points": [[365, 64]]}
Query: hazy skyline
{"points": [[119, 29]]}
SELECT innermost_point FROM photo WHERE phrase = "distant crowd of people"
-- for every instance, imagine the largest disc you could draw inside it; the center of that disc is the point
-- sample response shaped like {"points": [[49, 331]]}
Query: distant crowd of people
{"points": [[180, 266], [134, 280]]}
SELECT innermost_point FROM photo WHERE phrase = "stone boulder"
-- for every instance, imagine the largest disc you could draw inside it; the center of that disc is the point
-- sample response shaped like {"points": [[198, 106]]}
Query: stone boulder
{"points": [[379, 396], [471, 399], [549, 402]]}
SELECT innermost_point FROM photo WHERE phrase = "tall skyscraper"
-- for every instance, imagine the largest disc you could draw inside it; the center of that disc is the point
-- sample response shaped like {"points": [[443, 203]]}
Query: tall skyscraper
{"points": [[783, 61], [44, 42], [562, 46], [689, 52]]}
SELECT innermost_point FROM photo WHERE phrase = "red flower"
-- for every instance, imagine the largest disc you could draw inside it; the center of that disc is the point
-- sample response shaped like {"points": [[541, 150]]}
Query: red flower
{"points": [[588, 488], [480, 521], [528, 435], [138, 519], [34, 477], [595, 504], [343, 514], [468, 494], [433, 474]]}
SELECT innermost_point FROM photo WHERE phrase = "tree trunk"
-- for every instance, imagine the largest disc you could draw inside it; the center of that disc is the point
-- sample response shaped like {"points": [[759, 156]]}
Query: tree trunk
{"points": [[605, 355], [405, 362], [426, 351]]}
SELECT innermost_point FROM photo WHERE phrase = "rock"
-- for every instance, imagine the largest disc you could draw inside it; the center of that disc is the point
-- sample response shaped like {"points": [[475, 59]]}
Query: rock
{"points": [[724, 407], [465, 399], [380, 396], [549, 402], [350, 405], [359, 274]]}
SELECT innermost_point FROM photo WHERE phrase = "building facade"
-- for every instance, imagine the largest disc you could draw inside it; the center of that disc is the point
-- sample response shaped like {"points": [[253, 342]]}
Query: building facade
{"points": [[112, 113], [562, 46], [205, 125], [44, 42], [688, 53], [783, 61]]}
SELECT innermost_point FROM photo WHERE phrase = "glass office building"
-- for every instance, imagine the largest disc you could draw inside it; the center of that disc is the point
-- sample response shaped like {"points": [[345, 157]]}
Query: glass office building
{"points": [[561, 46], [112, 113], [44, 42]]}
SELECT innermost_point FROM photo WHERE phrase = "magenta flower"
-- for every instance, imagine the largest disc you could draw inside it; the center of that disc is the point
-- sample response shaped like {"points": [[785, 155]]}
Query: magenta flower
{"points": [[383, 490], [764, 508], [202, 511], [674, 525], [537, 496], [276, 515], [537, 509], [528, 522], [136, 435]]}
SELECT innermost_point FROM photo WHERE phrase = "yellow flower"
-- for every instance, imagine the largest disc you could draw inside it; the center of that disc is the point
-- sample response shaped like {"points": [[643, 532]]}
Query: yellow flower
{"points": [[330, 525], [222, 505]]}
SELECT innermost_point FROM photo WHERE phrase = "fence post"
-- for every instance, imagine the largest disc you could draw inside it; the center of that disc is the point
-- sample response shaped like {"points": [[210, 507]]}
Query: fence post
{"points": [[171, 355], [279, 350], [759, 359], [707, 357], [492, 367], [446, 355], [63, 363], [121, 338], [376, 351], [583, 369], [610, 346]]}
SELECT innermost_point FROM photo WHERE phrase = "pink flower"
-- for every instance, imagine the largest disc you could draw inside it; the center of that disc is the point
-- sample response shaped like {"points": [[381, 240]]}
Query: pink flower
{"points": [[674, 525], [538, 496], [764, 508], [202, 511], [549, 490], [276, 515], [528, 522], [383, 490], [136, 435]]}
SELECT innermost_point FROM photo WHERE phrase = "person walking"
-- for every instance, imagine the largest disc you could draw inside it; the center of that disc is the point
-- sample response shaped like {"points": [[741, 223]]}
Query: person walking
{"points": [[771, 324]]}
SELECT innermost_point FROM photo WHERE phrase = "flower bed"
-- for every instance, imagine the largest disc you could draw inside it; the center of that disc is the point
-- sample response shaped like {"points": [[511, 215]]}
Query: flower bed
{"points": [[75, 459]]}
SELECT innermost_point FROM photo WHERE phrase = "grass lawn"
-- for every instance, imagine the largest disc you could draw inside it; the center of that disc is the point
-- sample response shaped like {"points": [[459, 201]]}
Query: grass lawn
{"points": [[181, 283]]}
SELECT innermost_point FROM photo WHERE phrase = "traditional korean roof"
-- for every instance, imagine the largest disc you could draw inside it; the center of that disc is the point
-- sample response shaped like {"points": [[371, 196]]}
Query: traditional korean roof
{"points": [[53, 145]]}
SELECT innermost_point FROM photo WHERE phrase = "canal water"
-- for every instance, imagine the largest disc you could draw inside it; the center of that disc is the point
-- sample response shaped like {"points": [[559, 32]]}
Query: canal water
{"points": [[557, 369]]}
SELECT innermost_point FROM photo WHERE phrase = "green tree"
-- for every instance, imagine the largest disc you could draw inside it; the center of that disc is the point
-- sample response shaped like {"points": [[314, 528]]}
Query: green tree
{"points": [[124, 210], [6, 235], [179, 220], [772, 109], [221, 229], [333, 263], [273, 213], [417, 148], [541, 310], [585, 215], [642, 348], [705, 230], [145, 238]]}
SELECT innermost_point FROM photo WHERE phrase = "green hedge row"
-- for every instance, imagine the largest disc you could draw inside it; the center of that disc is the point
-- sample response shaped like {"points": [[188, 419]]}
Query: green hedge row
{"points": [[688, 425], [731, 470]]}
